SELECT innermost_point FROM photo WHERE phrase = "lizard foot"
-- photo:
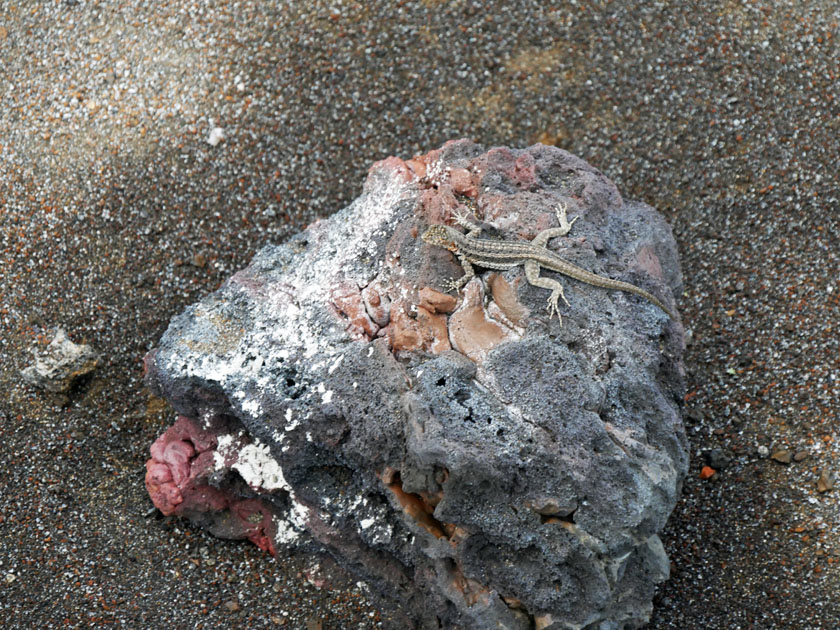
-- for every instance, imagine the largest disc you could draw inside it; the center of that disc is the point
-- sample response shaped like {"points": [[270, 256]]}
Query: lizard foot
{"points": [[565, 224], [453, 285], [552, 303], [552, 311], [462, 218]]}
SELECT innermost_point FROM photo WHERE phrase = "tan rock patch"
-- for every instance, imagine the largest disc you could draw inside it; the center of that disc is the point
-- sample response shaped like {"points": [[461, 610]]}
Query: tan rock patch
{"points": [[437, 302], [471, 329], [506, 299]]}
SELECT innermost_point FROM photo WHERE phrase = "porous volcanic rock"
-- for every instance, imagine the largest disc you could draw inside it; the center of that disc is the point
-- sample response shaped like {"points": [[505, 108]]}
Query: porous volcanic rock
{"points": [[478, 464]]}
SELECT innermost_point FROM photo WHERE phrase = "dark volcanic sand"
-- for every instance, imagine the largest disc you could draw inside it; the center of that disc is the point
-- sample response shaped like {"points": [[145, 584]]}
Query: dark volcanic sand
{"points": [[116, 213]]}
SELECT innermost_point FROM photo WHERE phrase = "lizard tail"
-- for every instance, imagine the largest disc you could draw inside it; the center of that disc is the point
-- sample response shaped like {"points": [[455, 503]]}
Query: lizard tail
{"points": [[609, 283]]}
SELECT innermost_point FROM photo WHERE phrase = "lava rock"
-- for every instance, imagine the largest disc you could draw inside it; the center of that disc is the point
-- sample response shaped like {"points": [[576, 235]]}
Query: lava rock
{"points": [[781, 456], [718, 458], [476, 463], [60, 364], [825, 482]]}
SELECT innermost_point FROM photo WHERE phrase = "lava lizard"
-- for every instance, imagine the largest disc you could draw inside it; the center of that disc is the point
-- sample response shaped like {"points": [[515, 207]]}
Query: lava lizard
{"points": [[473, 250]]}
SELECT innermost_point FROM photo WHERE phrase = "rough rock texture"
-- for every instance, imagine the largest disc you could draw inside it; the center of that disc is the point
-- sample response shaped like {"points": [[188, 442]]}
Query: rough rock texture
{"points": [[476, 463], [60, 364]]}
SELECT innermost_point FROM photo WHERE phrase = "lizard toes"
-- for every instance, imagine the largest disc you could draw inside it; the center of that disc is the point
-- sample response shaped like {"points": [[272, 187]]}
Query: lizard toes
{"points": [[452, 285]]}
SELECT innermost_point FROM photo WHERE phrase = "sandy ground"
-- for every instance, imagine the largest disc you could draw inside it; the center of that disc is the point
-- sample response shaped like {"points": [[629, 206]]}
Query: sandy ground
{"points": [[116, 212]]}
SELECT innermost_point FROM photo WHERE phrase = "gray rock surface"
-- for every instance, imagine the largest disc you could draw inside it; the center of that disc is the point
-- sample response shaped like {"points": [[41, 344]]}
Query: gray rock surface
{"points": [[476, 463]]}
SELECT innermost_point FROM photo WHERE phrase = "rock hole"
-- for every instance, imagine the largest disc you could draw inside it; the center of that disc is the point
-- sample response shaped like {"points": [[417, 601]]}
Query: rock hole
{"points": [[567, 519]]}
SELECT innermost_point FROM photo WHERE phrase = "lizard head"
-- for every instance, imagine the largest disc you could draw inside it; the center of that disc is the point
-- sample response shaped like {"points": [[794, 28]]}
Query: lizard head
{"points": [[439, 236]]}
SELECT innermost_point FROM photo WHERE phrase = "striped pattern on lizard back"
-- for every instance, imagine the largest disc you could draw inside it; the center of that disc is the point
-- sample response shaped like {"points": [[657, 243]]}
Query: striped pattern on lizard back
{"points": [[473, 250]]}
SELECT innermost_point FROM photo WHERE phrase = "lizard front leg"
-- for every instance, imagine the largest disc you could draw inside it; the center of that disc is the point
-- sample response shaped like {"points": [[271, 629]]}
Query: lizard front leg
{"points": [[532, 273], [469, 274], [474, 230]]}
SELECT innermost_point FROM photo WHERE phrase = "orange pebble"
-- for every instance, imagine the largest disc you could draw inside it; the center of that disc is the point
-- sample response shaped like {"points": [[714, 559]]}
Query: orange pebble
{"points": [[706, 472]]}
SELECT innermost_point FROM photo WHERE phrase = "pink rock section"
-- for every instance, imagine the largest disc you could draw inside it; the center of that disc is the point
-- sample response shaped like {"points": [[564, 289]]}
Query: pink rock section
{"points": [[178, 482], [435, 322]]}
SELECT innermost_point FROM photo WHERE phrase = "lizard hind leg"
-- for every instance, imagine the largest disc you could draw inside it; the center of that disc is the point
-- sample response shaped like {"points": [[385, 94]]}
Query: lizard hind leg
{"points": [[532, 274], [541, 239], [565, 224]]}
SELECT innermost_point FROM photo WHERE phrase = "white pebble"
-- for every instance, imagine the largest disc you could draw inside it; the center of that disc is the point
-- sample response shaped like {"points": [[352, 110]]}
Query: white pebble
{"points": [[216, 136]]}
